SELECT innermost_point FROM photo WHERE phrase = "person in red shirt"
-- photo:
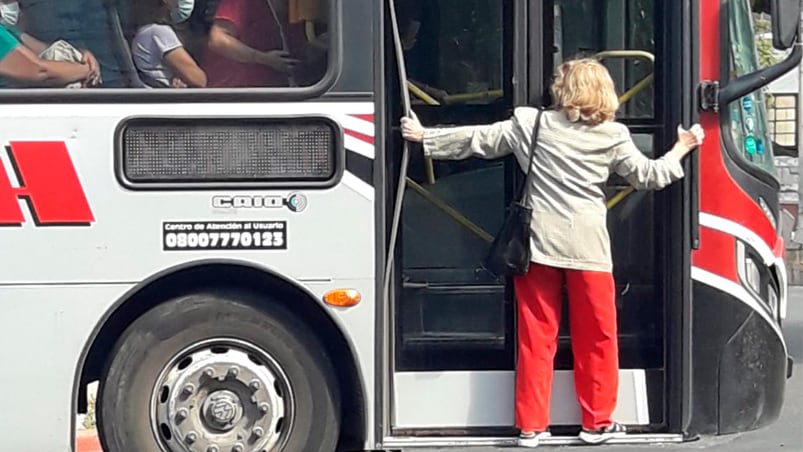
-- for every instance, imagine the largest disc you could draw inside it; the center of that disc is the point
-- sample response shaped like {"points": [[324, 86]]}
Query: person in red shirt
{"points": [[253, 44]]}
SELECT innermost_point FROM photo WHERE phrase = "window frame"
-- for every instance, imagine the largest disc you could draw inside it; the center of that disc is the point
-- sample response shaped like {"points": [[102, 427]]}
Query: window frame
{"points": [[195, 95], [488, 356]]}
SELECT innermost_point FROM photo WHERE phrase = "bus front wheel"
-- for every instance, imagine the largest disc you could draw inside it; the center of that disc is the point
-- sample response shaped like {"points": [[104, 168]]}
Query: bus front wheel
{"points": [[214, 373]]}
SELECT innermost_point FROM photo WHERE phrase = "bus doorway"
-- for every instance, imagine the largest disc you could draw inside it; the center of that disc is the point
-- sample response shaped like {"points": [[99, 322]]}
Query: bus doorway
{"points": [[453, 324]]}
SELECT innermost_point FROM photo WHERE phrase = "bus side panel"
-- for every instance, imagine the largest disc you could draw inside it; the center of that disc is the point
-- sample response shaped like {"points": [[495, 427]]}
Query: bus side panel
{"points": [[46, 329], [66, 277], [124, 238]]}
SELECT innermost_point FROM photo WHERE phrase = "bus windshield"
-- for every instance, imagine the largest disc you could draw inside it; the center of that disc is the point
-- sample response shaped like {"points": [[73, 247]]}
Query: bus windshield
{"points": [[748, 115]]}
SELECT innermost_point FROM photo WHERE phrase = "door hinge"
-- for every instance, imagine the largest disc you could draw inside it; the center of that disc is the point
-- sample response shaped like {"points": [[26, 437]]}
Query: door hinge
{"points": [[709, 95]]}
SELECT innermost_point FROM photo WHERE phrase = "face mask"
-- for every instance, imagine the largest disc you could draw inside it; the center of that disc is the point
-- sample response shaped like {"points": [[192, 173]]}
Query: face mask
{"points": [[10, 13], [182, 11]]}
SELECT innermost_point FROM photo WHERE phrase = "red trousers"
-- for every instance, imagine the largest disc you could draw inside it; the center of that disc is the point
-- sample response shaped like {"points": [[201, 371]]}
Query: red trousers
{"points": [[592, 322]]}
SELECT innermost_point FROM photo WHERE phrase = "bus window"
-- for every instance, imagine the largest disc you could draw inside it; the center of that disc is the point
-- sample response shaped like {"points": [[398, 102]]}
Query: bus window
{"points": [[587, 27], [455, 57], [201, 43], [748, 114]]}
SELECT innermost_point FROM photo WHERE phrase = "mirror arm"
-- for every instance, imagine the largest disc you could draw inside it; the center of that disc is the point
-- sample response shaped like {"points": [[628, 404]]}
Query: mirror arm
{"points": [[748, 83]]}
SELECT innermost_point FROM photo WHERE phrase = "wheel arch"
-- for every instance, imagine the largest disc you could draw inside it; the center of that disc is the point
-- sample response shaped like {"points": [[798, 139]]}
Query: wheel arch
{"points": [[199, 276]]}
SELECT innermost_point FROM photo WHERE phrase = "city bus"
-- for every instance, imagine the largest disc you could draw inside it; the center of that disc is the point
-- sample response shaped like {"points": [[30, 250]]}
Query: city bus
{"points": [[269, 267]]}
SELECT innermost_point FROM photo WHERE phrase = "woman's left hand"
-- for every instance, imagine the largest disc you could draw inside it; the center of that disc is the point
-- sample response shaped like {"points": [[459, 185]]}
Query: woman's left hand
{"points": [[412, 130]]}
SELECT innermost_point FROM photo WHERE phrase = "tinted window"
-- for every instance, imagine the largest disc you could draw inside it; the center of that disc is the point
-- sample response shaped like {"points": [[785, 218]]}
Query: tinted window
{"points": [[166, 43], [453, 50], [451, 314], [748, 115], [585, 28]]}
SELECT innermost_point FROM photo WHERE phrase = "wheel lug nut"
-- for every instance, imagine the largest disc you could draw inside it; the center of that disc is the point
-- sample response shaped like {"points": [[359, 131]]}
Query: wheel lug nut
{"points": [[234, 371], [209, 372], [212, 448], [191, 437], [264, 407], [188, 390], [258, 432], [181, 414], [254, 385], [237, 448]]}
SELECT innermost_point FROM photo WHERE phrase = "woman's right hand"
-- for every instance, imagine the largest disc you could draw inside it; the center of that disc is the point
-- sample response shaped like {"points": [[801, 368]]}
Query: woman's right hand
{"points": [[687, 140], [692, 138], [411, 128]]}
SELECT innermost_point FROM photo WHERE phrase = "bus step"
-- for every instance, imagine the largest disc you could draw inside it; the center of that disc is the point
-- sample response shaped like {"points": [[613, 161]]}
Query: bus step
{"points": [[416, 442]]}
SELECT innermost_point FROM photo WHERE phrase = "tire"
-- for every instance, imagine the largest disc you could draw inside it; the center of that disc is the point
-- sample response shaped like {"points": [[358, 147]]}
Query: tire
{"points": [[134, 416]]}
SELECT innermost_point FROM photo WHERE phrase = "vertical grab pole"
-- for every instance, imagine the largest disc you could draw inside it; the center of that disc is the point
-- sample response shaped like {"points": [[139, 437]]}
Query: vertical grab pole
{"points": [[798, 234], [405, 160]]}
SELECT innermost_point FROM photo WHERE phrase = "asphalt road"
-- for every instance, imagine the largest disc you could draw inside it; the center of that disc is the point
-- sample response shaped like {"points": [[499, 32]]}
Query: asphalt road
{"points": [[786, 434]]}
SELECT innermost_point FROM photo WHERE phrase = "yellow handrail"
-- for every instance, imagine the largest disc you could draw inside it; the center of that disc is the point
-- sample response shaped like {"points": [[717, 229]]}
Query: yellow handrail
{"points": [[625, 54], [450, 211], [631, 93], [617, 198], [421, 94], [467, 97]]}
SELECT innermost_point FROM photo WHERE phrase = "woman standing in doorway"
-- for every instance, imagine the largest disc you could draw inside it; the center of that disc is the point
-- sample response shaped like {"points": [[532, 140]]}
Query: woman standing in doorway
{"points": [[578, 146]]}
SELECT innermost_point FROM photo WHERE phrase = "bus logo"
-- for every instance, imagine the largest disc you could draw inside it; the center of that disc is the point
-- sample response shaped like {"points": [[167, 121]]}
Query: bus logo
{"points": [[296, 202], [48, 183]]}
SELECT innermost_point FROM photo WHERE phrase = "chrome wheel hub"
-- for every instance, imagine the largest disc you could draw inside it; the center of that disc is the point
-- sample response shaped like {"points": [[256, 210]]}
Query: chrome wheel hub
{"points": [[222, 396], [222, 409]]}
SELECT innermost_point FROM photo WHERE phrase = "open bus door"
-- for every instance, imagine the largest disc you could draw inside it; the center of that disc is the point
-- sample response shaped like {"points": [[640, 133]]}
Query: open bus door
{"points": [[453, 325]]}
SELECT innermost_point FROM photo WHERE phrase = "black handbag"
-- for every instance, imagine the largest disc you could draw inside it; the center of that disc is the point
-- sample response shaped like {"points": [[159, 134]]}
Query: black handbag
{"points": [[509, 254]]}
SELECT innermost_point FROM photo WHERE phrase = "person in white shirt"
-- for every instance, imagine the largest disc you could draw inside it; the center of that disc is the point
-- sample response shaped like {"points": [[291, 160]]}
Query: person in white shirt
{"points": [[159, 55]]}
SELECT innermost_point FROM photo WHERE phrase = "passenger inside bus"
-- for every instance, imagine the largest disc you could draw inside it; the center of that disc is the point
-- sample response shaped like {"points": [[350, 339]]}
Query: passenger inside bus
{"points": [[28, 61], [85, 24], [263, 43], [159, 55], [410, 16], [194, 33]]}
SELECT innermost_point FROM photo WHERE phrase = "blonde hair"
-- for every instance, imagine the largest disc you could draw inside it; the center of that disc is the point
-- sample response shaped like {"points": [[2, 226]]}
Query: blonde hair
{"points": [[583, 89]]}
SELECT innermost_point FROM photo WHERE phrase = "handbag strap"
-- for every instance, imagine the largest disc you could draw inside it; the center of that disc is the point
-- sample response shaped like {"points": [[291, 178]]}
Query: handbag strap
{"points": [[533, 141]]}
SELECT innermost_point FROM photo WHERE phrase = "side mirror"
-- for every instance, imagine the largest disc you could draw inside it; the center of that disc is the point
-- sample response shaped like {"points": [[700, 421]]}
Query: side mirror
{"points": [[785, 23]]}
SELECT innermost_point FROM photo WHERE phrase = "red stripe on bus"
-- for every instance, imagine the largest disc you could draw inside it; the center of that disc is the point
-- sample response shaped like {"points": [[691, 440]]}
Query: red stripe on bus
{"points": [[360, 136], [719, 256], [369, 118]]}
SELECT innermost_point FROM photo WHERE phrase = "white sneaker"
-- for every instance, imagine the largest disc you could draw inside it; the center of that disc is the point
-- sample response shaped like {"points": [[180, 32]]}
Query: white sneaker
{"points": [[531, 440], [615, 430]]}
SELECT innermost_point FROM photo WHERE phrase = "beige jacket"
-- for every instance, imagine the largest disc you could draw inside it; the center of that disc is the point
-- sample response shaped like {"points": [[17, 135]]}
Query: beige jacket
{"points": [[571, 165]]}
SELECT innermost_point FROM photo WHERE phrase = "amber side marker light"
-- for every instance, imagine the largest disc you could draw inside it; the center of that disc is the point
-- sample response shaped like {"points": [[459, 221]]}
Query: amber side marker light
{"points": [[342, 298]]}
